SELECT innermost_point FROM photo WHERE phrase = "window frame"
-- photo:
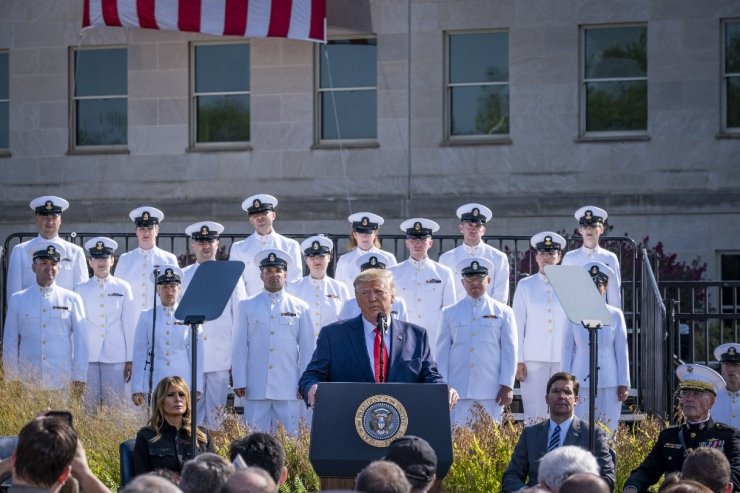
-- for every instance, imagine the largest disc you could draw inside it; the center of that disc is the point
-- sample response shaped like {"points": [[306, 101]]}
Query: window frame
{"points": [[448, 138], [5, 151], [625, 135], [724, 78], [74, 148], [320, 142], [193, 144]]}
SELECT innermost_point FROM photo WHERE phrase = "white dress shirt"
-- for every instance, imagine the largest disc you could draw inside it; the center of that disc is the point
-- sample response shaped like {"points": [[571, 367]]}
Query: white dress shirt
{"points": [[499, 287], [136, 268], [72, 266], [246, 249], [540, 319], [324, 296], [583, 256], [726, 408], [347, 268]]}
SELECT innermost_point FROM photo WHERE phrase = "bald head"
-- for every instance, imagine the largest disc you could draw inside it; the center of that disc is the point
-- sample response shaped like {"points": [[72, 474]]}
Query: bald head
{"points": [[250, 480], [584, 482]]}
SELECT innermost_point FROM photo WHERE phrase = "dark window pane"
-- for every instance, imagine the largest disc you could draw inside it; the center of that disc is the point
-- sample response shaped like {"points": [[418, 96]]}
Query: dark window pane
{"points": [[732, 47], [101, 122], [616, 106], [4, 126], [101, 72], [733, 102], [616, 52], [480, 110], [222, 68], [479, 57], [223, 118], [350, 63], [4, 76], [355, 117]]}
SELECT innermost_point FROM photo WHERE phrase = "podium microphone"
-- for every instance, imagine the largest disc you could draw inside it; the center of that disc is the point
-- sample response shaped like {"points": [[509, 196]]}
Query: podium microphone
{"points": [[382, 322]]}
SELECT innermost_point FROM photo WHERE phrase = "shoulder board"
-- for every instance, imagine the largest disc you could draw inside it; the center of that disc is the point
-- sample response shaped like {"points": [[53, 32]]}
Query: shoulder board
{"points": [[722, 426]]}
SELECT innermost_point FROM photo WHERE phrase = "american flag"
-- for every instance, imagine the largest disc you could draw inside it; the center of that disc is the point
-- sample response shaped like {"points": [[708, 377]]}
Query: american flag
{"points": [[294, 19]]}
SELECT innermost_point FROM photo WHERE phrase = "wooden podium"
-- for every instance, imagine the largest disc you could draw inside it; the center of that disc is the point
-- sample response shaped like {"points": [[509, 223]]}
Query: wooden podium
{"points": [[353, 424]]}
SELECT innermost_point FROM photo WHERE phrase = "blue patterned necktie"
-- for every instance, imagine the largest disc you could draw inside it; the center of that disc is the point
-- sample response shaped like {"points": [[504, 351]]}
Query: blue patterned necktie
{"points": [[554, 439]]}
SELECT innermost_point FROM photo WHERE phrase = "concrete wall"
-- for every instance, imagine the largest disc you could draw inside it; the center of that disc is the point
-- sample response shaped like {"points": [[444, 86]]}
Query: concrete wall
{"points": [[682, 186]]}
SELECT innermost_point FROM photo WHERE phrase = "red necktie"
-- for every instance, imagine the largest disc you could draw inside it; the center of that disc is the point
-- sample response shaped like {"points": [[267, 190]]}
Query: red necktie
{"points": [[380, 376]]}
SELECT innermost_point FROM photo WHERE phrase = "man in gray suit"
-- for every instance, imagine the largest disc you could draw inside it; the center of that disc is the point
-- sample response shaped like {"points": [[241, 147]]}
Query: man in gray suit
{"points": [[563, 428]]}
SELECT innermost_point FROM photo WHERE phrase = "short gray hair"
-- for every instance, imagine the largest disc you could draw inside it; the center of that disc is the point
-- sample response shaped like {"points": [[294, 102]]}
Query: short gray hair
{"points": [[149, 483], [250, 480], [382, 476], [206, 473], [559, 464]]}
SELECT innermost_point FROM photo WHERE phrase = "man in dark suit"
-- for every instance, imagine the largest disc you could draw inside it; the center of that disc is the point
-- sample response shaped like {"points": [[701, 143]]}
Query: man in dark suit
{"points": [[563, 428], [350, 350]]}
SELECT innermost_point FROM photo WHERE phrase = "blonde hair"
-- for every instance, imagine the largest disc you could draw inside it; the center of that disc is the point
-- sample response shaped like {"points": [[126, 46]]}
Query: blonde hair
{"points": [[156, 416], [353, 242], [371, 275]]}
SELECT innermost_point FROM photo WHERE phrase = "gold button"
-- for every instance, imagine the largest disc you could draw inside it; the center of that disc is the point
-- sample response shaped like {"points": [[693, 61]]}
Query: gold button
{"points": [[205, 338], [692, 435]]}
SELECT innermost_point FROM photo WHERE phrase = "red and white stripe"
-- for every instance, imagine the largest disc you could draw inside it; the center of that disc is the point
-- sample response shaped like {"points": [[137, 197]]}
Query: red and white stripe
{"points": [[294, 19]]}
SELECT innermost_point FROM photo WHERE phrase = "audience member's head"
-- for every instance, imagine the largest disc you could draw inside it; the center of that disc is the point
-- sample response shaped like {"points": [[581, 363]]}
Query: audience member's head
{"points": [[250, 480], [264, 451], [563, 462], [43, 456], [710, 467], [167, 474], [683, 486], [382, 476], [205, 474], [149, 483], [584, 482], [417, 459]]}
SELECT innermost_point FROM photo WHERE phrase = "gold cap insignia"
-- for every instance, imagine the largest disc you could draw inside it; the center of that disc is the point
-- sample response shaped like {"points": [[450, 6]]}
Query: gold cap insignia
{"points": [[732, 351], [476, 212], [548, 241], [474, 265], [204, 231], [373, 261], [365, 221], [417, 226], [271, 257], [256, 203], [169, 273], [588, 215], [145, 216], [690, 369], [315, 245], [594, 270], [99, 246], [50, 250], [49, 205]]}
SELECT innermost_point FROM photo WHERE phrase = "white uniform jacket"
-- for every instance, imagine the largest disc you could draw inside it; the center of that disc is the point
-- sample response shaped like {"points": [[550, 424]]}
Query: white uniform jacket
{"points": [[72, 267], [274, 344], [324, 296], [726, 408], [398, 310], [111, 319], [172, 353], [246, 249], [540, 319], [613, 361], [45, 334], [347, 268], [218, 335], [476, 349], [136, 268], [583, 256], [499, 287], [427, 287]]}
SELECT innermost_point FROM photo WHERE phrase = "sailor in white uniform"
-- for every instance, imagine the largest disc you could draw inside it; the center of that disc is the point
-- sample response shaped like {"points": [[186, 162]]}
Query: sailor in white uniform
{"points": [[726, 408], [261, 211], [591, 226], [274, 343], [473, 220], [72, 267], [426, 286], [111, 323], [218, 335], [363, 238], [375, 260], [45, 338], [541, 321], [325, 295]]}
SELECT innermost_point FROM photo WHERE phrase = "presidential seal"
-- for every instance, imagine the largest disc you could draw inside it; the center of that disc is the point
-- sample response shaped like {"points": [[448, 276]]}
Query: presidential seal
{"points": [[380, 419]]}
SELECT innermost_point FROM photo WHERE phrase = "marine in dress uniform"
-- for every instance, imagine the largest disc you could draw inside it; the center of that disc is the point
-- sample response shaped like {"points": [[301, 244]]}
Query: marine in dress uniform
{"points": [[613, 359], [111, 322], [170, 340], [363, 238], [727, 408], [477, 345], [697, 391], [473, 219], [261, 212], [136, 267], [591, 226], [274, 343], [325, 295], [426, 286], [541, 322], [218, 334], [375, 260], [45, 339], [72, 267]]}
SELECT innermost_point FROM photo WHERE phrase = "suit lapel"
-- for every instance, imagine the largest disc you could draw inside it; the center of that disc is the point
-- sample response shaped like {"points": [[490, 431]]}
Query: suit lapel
{"points": [[398, 340], [574, 432], [540, 436], [357, 339]]}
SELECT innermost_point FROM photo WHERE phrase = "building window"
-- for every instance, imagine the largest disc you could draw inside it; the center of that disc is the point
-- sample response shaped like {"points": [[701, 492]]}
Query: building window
{"points": [[614, 81], [99, 86], [347, 97], [477, 85], [220, 99], [4, 102], [731, 77]]}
